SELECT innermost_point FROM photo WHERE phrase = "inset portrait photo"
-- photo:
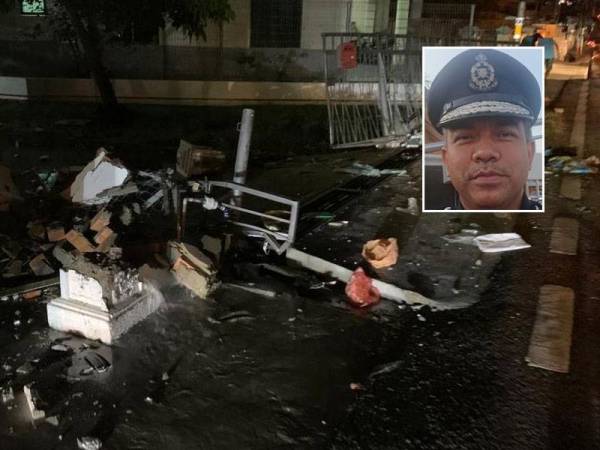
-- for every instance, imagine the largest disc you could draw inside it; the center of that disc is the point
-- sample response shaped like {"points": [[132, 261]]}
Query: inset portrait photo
{"points": [[483, 125]]}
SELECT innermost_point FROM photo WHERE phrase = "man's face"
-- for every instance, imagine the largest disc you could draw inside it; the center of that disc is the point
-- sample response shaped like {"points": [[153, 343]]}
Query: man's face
{"points": [[488, 161]]}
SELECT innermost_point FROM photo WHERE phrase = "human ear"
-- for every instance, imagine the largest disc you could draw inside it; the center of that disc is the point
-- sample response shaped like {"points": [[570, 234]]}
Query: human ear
{"points": [[530, 152]]}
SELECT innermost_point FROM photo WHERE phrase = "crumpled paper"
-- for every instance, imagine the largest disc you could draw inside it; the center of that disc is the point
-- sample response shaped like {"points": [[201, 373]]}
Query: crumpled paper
{"points": [[500, 242]]}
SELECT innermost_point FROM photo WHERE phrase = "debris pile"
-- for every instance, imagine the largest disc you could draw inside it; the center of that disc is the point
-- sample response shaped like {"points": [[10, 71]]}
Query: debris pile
{"points": [[569, 164], [97, 241]]}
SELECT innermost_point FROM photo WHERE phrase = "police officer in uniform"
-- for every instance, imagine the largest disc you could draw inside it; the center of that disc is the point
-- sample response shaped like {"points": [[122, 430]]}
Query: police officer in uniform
{"points": [[485, 103]]}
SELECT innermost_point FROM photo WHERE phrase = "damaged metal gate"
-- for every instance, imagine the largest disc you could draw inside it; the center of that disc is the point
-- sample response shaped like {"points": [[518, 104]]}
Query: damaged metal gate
{"points": [[373, 83]]}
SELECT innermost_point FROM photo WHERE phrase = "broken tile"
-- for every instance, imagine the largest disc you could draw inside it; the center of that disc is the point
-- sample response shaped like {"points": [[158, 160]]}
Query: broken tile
{"points": [[40, 266], [100, 220], [55, 232], [105, 238], [191, 268], [79, 241], [32, 295]]}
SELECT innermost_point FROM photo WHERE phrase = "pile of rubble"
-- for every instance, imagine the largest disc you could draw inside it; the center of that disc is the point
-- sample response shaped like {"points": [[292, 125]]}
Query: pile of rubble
{"points": [[92, 242]]}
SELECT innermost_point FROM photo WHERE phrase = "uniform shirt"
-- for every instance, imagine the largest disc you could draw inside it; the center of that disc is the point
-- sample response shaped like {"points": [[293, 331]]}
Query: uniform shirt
{"points": [[526, 204]]}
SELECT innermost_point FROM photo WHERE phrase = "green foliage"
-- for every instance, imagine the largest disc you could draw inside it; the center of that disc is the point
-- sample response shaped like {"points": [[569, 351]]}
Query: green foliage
{"points": [[116, 16]]}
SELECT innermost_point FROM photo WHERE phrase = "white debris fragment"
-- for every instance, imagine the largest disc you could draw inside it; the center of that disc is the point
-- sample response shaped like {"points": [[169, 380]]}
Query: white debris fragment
{"points": [[100, 174], [53, 420], [60, 348], [500, 242], [126, 217], [7, 395], [32, 400], [89, 443], [152, 200]]}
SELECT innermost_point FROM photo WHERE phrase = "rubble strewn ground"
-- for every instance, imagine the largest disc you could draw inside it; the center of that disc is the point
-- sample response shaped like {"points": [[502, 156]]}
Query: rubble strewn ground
{"points": [[274, 356]]}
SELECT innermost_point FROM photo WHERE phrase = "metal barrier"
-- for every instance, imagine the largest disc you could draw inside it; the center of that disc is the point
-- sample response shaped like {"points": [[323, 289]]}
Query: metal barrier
{"points": [[375, 94], [373, 83]]}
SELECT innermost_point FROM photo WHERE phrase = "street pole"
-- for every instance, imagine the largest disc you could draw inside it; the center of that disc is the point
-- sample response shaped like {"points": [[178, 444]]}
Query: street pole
{"points": [[243, 151], [384, 106], [471, 21], [519, 20]]}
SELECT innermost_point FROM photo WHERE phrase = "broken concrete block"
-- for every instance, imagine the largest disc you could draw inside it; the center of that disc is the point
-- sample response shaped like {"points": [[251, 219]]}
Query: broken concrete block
{"points": [[76, 286], [102, 285], [55, 232], [100, 220], [79, 241], [63, 256], [33, 402], [99, 175], [40, 266], [191, 268], [101, 300]]}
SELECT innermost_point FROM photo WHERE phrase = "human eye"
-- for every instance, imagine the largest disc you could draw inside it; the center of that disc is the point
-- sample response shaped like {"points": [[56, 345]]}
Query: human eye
{"points": [[508, 133], [462, 137]]}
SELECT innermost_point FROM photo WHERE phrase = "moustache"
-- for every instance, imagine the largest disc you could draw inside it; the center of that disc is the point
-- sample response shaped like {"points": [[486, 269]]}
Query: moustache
{"points": [[476, 172]]}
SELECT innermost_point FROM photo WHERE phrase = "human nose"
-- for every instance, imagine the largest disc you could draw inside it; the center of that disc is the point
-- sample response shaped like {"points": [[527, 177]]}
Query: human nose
{"points": [[485, 151]]}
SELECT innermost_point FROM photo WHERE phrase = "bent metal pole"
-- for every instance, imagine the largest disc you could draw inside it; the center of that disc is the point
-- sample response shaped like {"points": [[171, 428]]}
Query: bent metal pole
{"points": [[243, 150]]}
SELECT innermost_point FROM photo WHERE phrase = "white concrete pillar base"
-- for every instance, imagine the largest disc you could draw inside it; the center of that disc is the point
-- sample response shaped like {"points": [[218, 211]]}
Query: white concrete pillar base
{"points": [[73, 316]]}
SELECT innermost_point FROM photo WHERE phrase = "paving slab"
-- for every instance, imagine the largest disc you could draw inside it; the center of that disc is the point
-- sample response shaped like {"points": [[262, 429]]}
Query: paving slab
{"points": [[565, 236], [550, 345]]}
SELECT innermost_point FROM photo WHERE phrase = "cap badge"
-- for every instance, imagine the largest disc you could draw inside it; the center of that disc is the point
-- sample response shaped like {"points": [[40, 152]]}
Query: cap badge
{"points": [[483, 75]]}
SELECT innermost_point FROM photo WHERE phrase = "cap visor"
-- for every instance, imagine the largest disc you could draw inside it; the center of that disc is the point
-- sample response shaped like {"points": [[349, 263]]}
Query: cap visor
{"points": [[485, 109]]}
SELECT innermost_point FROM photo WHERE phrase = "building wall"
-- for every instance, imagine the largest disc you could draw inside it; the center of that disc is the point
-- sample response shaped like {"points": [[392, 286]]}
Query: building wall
{"points": [[322, 16], [236, 34]]}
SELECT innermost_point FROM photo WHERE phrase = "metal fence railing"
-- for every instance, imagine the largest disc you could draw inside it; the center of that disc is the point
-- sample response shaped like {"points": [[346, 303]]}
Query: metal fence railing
{"points": [[373, 83]]}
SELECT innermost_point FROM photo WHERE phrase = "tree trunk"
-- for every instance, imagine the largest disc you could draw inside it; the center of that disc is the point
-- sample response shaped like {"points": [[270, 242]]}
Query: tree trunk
{"points": [[86, 29]]}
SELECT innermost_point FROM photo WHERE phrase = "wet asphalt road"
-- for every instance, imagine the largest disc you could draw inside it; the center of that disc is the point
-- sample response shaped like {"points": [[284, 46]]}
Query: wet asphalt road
{"points": [[303, 370]]}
